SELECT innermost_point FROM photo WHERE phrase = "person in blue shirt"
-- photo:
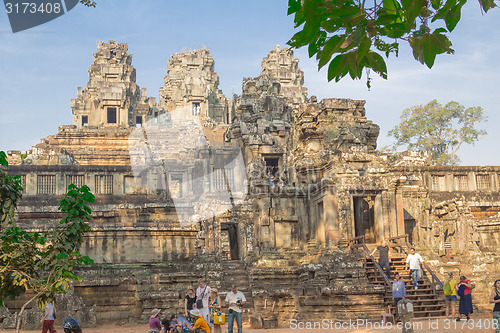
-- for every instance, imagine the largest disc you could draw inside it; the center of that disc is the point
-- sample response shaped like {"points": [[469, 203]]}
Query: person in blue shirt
{"points": [[178, 323], [398, 290]]}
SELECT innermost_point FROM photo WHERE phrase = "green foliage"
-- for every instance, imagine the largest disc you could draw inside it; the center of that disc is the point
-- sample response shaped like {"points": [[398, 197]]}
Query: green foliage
{"points": [[88, 3], [11, 191], [351, 35], [43, 262], [439, 129]]}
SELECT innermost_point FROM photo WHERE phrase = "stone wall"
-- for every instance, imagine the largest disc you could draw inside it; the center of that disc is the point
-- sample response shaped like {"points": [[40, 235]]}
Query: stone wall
{"points": [[264, 189]]}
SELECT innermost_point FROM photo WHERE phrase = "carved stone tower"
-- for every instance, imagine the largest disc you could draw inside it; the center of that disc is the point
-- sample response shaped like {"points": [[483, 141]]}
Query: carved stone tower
{"points": [[191, 85], [112, 97]]}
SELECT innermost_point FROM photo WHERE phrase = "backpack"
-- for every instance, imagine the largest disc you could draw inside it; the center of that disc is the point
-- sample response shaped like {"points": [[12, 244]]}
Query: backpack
{"points": [[447, 289], [461, 290]]}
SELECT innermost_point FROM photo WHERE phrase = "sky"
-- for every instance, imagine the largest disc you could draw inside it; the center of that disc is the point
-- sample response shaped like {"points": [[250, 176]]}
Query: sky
{"points": [[41, 68]]}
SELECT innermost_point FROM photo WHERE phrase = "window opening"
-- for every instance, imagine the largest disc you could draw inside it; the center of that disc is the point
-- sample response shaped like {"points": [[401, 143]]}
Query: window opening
{"points": [[111, 115]]}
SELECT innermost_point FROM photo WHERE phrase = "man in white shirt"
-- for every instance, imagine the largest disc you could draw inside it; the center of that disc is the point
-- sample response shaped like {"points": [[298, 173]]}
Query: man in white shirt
{"points": [[413, 262], [235, 300], [203, 294]]}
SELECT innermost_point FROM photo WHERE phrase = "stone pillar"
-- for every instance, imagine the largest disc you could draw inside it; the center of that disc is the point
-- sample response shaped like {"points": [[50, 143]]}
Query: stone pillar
{"points": [[380, 231], [405, 313], [400, 217], [392, 212], [331, 217]]}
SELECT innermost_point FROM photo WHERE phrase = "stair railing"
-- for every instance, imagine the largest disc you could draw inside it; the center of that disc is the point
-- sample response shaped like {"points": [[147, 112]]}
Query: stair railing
{"points": [[359, 242], [434, 279]]}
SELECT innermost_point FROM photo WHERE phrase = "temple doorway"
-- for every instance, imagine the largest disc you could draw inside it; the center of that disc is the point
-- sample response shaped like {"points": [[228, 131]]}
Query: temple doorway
{"points": [[364, 217], [230, 240]]}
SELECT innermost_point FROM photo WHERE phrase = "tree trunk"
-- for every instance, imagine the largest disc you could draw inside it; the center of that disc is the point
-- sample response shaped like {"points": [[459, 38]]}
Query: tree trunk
{"points": [[18, 319]]}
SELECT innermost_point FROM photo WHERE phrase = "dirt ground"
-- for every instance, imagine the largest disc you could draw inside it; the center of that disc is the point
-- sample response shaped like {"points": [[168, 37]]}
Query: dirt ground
{"points": [[476, 325]]}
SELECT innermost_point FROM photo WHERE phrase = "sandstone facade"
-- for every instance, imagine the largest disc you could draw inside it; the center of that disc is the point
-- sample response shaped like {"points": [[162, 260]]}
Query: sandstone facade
{"points": [[183, 190]]}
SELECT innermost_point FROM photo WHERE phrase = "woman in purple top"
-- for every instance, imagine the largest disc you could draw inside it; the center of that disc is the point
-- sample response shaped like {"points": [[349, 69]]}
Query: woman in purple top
{"points": [[154, 322]]}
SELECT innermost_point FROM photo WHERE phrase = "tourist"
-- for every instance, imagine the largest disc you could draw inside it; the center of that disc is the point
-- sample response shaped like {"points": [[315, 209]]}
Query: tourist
{"points": [[281, 182], [70, 325], [202, 297], [215, 309], [495, 299], [235, 301], [177, 323], [398, 290], [463, 290], [154, 322], [165, 324], [189, 302], [450, 295], [384, 253], [413, 261], [200, 323], [50, 315]]}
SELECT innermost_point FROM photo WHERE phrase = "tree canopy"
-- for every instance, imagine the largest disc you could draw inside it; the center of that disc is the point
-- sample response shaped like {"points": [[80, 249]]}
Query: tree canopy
{"points": [[351, 35], [439, 129], [40, 261]]}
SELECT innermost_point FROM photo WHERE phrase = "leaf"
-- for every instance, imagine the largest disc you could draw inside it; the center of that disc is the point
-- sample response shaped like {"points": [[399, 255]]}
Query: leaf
{"points": [[441, 13], [331, 46], [436, 4], [487, 4], [294, 6], [310, 7], [336, 67], [412, 8], [3, 159], [391, 5], [453, 16], [377, 63], [363, 48], [430, 51]]}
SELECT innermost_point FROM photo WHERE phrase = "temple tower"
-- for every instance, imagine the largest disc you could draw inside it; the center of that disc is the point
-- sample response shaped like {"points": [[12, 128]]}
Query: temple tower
{"points": [[112, 97], [191, 85]]}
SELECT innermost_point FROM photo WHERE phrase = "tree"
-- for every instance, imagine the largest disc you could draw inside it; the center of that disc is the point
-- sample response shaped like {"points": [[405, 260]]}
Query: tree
{"points": [[439, 129], [11, 191], [355, 32], [43, 262]]}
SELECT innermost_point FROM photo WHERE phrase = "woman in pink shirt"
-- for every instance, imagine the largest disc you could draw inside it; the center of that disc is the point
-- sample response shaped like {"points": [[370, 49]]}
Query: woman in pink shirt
{"points": [[463, 290]]}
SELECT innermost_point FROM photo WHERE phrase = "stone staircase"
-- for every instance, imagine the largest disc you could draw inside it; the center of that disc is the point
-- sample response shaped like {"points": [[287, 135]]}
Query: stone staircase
{"points": [[426, 301]]}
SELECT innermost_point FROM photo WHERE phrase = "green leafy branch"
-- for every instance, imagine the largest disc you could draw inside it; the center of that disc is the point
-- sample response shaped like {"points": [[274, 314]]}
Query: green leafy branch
{"points": [[351, 35], [41, 261]]}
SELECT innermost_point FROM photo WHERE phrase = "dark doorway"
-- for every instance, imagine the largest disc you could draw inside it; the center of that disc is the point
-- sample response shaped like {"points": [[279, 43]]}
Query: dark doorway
{"points": [[111, 115], [409, 228], [272, 165], [364, 217], [233, 239], [410, 224]]}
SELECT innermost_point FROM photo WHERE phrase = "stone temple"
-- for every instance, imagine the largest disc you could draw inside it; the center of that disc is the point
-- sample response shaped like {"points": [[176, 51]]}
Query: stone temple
{"points": [[272, 190]]}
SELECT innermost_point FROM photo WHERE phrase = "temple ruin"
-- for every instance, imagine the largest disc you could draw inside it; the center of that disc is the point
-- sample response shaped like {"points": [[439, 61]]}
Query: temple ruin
{"points": [[272, 190]]}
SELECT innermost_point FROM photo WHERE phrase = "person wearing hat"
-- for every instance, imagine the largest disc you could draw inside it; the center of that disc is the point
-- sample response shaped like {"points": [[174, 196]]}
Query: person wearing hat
{"points": [[200, 323], [177, 323], [154, 322]]}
